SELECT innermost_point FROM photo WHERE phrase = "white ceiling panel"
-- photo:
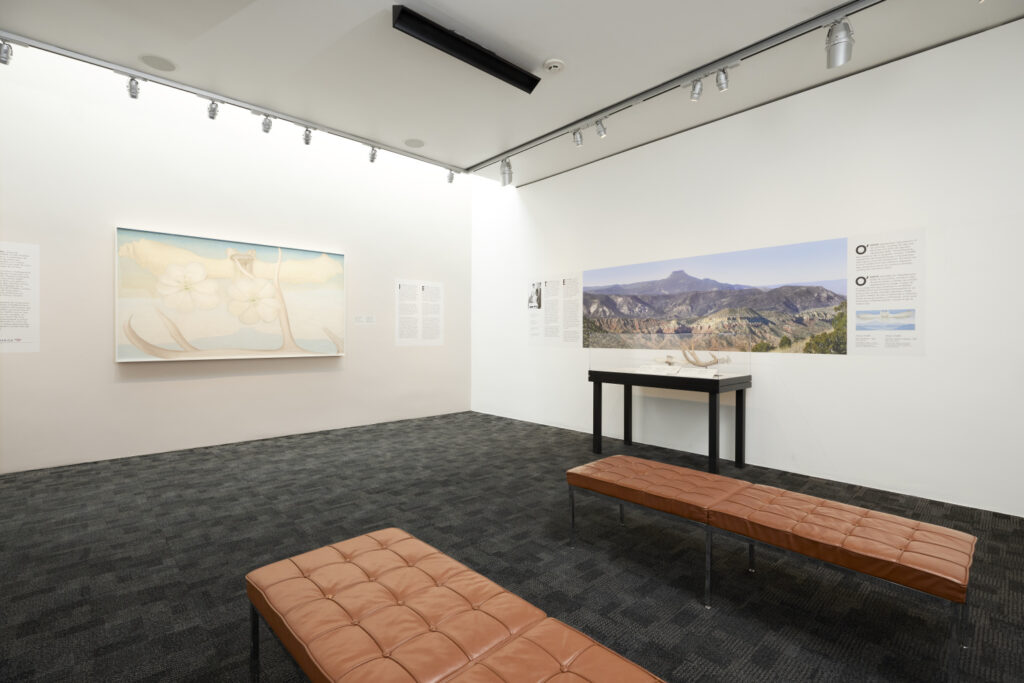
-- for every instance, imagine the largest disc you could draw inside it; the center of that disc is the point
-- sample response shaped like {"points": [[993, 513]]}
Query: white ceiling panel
{"points": [[343, 66]]}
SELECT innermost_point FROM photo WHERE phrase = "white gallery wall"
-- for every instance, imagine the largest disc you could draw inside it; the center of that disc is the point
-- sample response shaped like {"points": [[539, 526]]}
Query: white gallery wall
{"points": [[931, 143], [79, 158]]}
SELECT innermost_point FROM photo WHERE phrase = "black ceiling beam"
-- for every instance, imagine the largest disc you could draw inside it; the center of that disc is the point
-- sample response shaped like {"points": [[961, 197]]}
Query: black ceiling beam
{"points": [[446, 40]]}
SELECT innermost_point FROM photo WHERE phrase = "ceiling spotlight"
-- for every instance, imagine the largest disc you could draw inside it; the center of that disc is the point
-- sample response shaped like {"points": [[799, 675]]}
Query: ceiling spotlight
{"points": [[577, 137], [451, 176], [602, 132], [133, 88], [373, 154], [506, 172], [267, 123], [839, 43], [212, 110], [696, 88], [722, 80], [5, 52], [307, 136]]}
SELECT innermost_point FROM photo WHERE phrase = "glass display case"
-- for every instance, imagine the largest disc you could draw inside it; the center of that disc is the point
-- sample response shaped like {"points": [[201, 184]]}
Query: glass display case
{"points": [[680, 355]]}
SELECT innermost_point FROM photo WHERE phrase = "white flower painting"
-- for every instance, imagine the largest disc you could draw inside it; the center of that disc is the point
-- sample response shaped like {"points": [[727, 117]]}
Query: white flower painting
{"points": [[190, 298], [253, 300], [185, 288]]}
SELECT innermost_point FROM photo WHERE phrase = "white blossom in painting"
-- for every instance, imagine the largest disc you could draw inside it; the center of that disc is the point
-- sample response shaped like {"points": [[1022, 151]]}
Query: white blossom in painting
{"points": [[185, 288], [254, 300]]}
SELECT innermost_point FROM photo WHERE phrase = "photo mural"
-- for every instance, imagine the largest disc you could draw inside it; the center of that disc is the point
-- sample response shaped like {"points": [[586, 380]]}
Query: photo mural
{"points": [[785, 299], [191, 298]]}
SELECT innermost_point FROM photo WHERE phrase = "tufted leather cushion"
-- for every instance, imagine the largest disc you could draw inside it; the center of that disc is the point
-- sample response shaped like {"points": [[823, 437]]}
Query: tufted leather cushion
{"points": [[386, 607], [669, 488], [929, 558]]}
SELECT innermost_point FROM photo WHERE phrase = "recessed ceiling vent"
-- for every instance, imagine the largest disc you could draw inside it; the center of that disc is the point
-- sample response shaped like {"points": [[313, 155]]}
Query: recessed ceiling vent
{"points": [[446, 40]]}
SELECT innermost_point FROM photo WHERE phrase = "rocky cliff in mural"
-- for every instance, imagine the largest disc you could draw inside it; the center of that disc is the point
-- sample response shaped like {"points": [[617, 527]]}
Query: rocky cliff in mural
{"points": [[700, 313]]}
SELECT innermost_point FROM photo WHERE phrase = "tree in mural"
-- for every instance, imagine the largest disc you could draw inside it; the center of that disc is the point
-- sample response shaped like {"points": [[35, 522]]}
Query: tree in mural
{"points": [[830, 342]]}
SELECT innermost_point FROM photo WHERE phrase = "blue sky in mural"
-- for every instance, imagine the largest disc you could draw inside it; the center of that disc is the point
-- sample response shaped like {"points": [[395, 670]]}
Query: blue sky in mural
{"points": [[215, 248], [768, 266]]}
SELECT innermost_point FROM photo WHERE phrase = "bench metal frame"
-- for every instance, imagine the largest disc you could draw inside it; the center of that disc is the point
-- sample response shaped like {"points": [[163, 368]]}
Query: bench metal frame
{"points": [[254, 644], [957, 609]]}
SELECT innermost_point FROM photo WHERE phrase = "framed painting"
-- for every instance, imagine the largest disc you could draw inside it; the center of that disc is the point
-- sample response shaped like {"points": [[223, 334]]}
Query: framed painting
{"points": [[192, 298]]}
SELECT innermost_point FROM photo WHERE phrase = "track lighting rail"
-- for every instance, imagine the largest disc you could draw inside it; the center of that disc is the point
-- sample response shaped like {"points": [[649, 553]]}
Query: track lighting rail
{"points": [[206, 94], [728, 61]]}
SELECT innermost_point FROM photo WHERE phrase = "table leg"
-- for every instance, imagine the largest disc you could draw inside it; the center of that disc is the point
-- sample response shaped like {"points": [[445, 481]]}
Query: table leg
{"points": [[741, 409], [713, 432], [627, 418], [597, 417]]}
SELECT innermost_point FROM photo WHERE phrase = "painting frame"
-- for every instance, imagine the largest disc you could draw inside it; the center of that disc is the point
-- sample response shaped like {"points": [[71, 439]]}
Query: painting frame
{"points": [[188, 297]]}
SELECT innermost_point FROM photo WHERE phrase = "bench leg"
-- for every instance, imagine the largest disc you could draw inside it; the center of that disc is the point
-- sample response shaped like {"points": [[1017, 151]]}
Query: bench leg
{"points": [[622, 515], [572, 516], [750, 558], [707, 570], [957, 644], [254, 645]]}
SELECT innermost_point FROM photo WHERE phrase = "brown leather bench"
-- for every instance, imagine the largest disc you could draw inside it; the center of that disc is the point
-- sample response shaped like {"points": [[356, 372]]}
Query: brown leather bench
{"points": [[386, 607], [925, 557]]}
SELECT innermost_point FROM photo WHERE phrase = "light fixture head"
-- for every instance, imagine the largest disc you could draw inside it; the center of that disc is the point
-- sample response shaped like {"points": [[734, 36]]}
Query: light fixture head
{"points": [[6, 52], [696, 88], [212, 110], [602, 132], [133, 88], [506, 172], [577, 137], [838, 43], [307, 136], [373, 154], [451, 176], [267, 123], [722, 80]]}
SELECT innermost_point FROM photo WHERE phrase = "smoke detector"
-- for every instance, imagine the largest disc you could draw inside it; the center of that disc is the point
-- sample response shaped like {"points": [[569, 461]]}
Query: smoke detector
{"points": [[554, 66]]}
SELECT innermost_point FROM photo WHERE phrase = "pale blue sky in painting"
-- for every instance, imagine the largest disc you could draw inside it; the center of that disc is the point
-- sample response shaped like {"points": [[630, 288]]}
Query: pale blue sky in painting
{"points": [[768, 266], [214, 248]]}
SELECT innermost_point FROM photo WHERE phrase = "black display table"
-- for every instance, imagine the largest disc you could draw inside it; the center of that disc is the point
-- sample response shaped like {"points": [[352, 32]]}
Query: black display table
{"points": [[710, 386]]}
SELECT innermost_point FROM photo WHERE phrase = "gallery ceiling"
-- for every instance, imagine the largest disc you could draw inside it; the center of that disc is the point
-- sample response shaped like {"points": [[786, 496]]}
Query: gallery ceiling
{"points": [[341, 65]]}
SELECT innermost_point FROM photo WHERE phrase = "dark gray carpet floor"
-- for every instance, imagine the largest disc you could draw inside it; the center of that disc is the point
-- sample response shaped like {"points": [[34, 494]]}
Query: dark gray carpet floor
{"points": [[133, 569]]}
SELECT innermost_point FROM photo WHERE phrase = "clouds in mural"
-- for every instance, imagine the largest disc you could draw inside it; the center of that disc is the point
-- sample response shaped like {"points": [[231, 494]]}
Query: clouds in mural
{"points": [[155, 256]]}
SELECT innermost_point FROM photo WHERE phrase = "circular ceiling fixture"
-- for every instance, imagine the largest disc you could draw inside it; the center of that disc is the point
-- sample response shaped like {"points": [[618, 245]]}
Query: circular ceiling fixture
{"points": [[157, 62], [415, 143], [554, 65]]}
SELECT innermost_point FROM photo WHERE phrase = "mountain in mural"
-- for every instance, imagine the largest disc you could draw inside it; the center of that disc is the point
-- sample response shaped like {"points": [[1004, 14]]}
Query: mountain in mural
{"points": [[788, 299], [731, 317], [679, 282], [837, 286]]}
